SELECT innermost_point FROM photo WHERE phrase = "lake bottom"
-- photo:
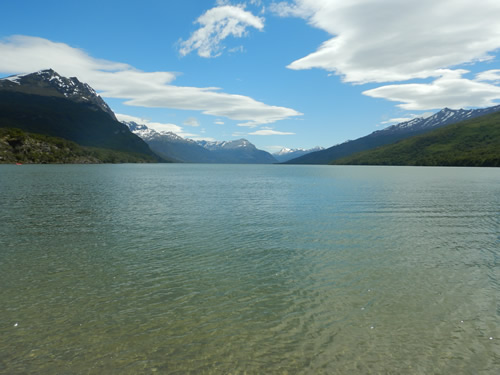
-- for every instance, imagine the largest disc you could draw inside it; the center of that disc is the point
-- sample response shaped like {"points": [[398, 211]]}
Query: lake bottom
{"points": [[226, 269]]}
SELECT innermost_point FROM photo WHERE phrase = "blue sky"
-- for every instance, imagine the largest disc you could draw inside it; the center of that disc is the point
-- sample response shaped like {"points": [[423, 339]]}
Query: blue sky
{"points": [[298, 73]]}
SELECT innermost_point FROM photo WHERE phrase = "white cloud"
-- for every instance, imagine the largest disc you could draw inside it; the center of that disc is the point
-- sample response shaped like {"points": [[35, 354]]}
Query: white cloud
{"points": [[397, 120], [240, 49], [191, 121], [394, 40], [162, 127], [270, 132], [450, 90], [411, 116], [25, 54], [219, 122], [489, 75], [216, 25], [128, 118], [285, 9], [158, 126]]}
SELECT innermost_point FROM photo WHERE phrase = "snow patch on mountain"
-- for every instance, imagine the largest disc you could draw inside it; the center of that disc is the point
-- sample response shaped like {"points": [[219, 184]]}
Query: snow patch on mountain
{"points": [[54, 84], [200, 151], [286, 154], [14, 79], [285, 151], [226, 145], [446, 116], [149, 134]]}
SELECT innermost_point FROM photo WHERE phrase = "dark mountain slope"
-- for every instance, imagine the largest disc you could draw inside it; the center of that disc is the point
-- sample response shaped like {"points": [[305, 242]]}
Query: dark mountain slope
{"points": [[473, 142], [50, 83], [35, 103]]}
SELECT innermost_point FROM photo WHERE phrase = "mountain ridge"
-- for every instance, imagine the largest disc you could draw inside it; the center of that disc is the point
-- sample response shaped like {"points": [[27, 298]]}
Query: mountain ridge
{"points": [[48, 104], [392, 134], [286, 154], [49, 83], [169, 144], [473, 142]]}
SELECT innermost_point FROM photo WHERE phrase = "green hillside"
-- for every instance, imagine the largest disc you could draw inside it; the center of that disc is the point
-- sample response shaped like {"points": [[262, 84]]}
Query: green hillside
{"points": [[17, 146], [473, 142]]}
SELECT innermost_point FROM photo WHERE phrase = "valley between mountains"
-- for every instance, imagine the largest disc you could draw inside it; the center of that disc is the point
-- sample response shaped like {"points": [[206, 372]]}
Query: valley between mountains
{"points": [[48, 118]]}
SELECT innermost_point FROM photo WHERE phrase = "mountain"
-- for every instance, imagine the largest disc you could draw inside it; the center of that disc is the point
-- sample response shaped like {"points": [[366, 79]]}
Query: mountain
{"points": [[168, 144], [239, 151], [49, 104], [392, 134], [474, 142], [286, 154], [49, 83]]}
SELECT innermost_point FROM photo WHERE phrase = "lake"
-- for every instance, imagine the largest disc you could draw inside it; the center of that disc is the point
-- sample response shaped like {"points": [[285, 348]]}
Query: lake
{"points": [[201, 269]]}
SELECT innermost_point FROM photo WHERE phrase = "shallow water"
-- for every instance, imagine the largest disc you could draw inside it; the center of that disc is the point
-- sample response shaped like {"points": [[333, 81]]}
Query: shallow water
{"points": [[126, 269]]}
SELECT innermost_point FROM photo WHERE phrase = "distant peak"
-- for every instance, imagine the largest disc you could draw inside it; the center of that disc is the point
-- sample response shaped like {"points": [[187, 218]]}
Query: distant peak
{"points": [[148, 134], [286, 150]]}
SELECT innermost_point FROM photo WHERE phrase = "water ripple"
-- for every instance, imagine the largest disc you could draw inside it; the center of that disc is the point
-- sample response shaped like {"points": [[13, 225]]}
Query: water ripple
{"points": [[249, 269]]}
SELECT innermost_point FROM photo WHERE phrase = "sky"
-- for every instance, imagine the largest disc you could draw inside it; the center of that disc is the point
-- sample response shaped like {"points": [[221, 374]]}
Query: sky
{"points": [[295, 74]]}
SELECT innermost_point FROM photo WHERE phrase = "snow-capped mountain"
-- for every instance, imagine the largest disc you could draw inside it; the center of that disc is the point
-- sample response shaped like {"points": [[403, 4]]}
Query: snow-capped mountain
{"points": [[444, 117], [226, 145], [173, 146], [50, 83], [286, 154], [286, 151], [393, 134], [149, 134], [48, 104]]}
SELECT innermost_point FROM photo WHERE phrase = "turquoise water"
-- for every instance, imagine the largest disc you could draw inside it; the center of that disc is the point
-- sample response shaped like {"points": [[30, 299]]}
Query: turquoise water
{"points": [[179, 269]]}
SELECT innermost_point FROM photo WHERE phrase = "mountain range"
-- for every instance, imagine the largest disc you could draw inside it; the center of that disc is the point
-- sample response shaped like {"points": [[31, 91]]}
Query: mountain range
{"points": [[45, 117], [172, 146], [392, 134], [48, 104], [286, 154], [473, 142]]}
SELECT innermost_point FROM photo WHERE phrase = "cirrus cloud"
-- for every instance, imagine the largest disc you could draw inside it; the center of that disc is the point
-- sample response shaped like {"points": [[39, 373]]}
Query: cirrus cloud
{"points": [[191, 121], [270, 132], [26, 54], [158, 126]]}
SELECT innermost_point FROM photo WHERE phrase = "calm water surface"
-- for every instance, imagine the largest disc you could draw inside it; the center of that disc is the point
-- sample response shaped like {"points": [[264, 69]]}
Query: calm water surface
{"points": [[178, 269]]}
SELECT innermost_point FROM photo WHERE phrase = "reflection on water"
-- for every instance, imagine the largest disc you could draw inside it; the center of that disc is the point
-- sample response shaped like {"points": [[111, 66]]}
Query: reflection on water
{"points": [[249, 269]]}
